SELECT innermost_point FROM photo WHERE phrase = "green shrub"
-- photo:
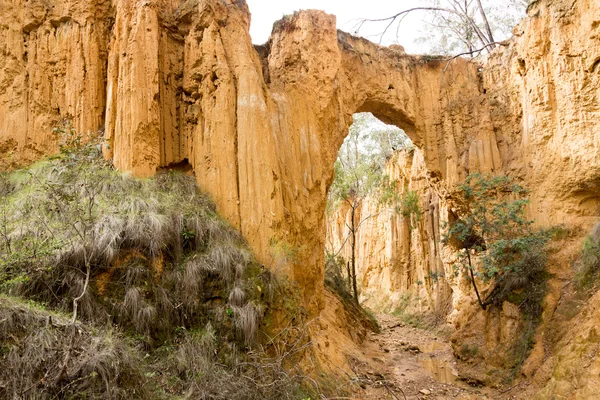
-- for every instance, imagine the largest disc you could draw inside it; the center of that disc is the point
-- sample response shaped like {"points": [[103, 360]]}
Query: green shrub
{"points": [[590, 259], [496, 241], [410, 208]]}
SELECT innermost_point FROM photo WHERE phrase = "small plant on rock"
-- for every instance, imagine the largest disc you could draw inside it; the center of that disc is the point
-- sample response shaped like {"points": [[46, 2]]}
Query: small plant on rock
{"points": [[590, 259]]}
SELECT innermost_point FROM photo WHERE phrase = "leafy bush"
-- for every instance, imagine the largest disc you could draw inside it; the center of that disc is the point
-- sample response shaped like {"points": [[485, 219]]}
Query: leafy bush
{"points": [[498, 244], [410, 209], [493, 227]]}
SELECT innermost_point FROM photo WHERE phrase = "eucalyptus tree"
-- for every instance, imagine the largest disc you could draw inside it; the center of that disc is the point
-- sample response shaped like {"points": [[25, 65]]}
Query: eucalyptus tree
{"points": [[359, 172]]}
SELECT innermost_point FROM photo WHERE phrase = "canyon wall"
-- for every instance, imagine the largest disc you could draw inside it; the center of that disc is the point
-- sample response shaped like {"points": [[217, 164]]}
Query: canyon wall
{"points": [[542, 92], [175, 83], [53, 59], [399, 258], [178, 84]]}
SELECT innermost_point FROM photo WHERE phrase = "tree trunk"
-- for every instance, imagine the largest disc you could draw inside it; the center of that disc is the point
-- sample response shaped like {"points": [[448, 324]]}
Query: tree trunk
{"points": [[481, 304], [486, 23], [348, 271], [353, 257]]}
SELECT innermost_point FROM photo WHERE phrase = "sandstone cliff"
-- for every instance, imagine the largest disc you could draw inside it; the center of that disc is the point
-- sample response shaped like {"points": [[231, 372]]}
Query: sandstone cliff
{"points": [[175, 83], [399, 260], [542, 96]]}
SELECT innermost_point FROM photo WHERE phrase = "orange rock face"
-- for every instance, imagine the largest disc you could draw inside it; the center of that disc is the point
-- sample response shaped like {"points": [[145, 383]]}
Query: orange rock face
{"points": [[180, 82], [400, 261], [175, 82], [52, 65]]}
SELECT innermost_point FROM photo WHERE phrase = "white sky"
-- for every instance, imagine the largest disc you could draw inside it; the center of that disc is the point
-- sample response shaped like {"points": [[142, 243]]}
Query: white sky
{"points": [[266, 12]]}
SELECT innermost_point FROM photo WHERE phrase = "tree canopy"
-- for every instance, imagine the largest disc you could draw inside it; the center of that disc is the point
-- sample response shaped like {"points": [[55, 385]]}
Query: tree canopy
{"points": [[359, 168], [360, 172]]}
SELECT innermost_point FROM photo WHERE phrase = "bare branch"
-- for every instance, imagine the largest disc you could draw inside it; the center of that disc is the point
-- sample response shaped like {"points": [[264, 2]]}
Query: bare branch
{"points": [[390, 20], [486, 22], [472, 52]]}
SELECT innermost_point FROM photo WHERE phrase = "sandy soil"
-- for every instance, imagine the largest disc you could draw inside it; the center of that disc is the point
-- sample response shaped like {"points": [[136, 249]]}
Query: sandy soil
{"points": [[410, 363]]}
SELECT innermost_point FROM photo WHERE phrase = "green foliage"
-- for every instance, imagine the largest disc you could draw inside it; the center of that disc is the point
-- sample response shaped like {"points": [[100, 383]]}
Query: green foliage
{"points": [[284, 252], [76, 147], [34, 365], [523, 345], [498, 243], [410, 208], [493, 227], [37, 362], [590, 259], [353, 182], [359, 172], [389, 195], [359, 169], [163, 267], [469, 351], [164, 271], [74, 214]]}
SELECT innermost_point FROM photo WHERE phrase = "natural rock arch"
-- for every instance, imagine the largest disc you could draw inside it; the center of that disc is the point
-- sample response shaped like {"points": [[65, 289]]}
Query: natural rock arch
{"points": [[261, 126], [178, 80], [262, 132]]}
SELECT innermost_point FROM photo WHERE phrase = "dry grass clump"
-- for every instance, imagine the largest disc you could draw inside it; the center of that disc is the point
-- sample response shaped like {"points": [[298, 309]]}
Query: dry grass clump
{"points": [[163, 255], [44, 356], [258, 375]]}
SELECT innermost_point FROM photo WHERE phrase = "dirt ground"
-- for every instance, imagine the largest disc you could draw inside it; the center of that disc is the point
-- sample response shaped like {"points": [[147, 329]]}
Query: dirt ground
{"points": [[407, 363]]}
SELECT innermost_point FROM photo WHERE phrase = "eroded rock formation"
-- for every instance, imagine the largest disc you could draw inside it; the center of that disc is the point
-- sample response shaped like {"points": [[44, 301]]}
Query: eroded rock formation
{"points": [[399, 259], [542, 91], [54, 64], [175, 83]]}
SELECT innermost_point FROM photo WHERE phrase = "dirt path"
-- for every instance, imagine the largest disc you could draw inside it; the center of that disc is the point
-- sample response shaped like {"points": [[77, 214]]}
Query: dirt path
{"points": [[410, 363]]}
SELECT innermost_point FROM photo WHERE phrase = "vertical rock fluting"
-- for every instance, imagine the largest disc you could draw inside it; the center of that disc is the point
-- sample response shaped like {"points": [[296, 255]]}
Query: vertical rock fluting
{"points": [[262, 133], [543, 95], [176, 82], [52, 65], [544, 92], [399, 258]]}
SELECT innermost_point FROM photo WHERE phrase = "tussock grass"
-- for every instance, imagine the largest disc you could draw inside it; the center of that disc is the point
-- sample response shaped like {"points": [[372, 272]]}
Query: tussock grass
{"points": [[158, 244], [45, 357]]}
